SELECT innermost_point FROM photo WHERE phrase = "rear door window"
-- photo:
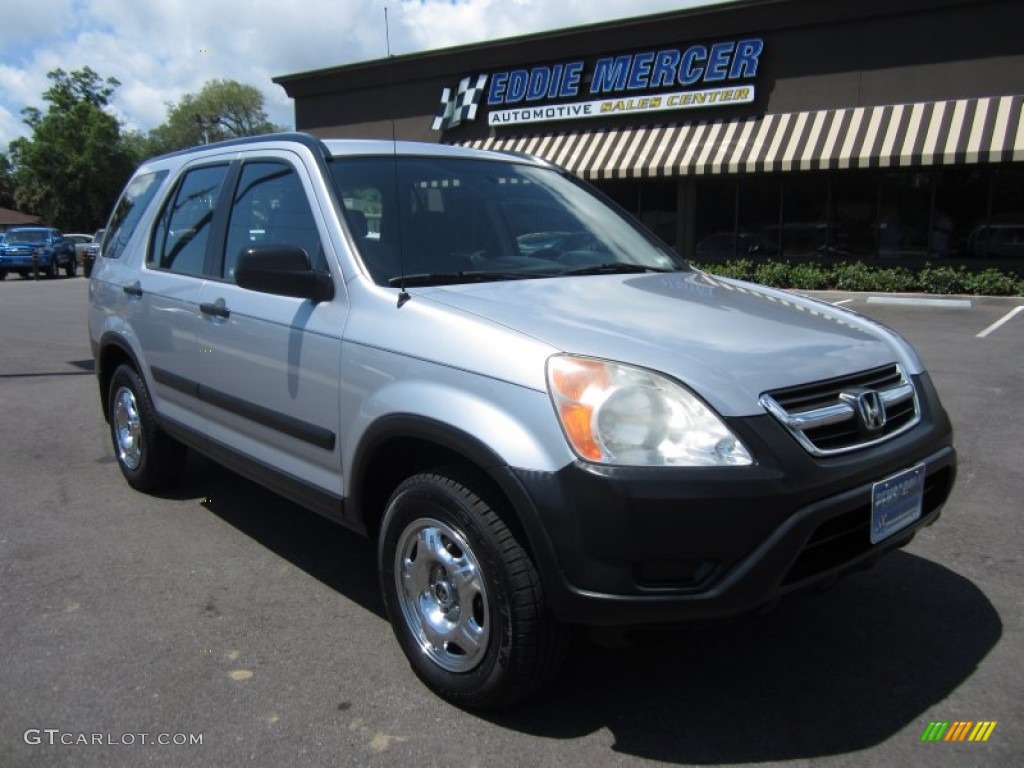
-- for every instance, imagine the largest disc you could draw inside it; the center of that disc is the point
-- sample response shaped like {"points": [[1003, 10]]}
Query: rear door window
{"points": [[183, 229]]}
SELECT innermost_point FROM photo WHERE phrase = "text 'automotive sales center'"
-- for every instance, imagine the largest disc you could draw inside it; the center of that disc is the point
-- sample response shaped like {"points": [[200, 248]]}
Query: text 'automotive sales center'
{"points": [[887, 131]]}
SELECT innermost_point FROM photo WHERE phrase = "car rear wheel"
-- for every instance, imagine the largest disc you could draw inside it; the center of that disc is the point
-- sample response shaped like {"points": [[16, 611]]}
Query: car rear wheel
{"points": [[463, 596], [148, 457]]}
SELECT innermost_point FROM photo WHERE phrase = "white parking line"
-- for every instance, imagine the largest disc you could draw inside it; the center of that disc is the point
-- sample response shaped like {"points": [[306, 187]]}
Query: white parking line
{"points": [[1001, 321], [841, 302], [914, 302]]}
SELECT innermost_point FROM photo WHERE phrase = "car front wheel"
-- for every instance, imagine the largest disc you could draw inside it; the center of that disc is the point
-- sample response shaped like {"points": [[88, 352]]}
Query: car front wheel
{"points": [[463, 596], [148, 457]]}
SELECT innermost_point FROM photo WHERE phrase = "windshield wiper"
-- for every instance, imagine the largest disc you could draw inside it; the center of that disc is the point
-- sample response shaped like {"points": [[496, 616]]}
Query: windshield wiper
{"points": [[614, 268], [454, 278]]}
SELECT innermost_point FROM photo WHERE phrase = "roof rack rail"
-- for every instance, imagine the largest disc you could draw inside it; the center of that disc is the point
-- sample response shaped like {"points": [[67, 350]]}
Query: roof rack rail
{"points": [[308, 140]]}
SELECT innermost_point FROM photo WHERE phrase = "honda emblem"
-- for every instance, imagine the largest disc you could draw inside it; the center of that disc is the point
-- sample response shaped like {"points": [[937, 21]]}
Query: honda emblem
{"points": [[869, 407]]}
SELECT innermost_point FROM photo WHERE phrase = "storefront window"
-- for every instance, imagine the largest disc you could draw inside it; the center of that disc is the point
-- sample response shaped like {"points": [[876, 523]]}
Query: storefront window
{"points": [[852, 230], [626, 193], [961, 209], [805, 208], [1004, 238], [972, 216], [1008, 193], [905, 216], [652, 202], [658, 208], [760, 201], [715, 222]]}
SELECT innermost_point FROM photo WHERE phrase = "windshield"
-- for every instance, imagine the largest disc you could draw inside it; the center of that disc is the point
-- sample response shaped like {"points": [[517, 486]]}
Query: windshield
{"points": [[440, 220], [26, 237]]}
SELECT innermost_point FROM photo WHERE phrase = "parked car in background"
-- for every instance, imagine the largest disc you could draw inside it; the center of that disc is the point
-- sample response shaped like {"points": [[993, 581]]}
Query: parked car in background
{"points": [[996, 241], [722, 246], [80, 242], [3, 238], [92, 251], [42, 248]]}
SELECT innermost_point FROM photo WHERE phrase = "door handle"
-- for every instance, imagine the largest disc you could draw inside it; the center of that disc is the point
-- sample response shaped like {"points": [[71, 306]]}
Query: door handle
{"points": [[216, 309], [135, 289]]}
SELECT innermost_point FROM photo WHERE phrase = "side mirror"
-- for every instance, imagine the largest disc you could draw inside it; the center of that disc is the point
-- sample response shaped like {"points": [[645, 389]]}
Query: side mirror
{"points": [[283, 270]]}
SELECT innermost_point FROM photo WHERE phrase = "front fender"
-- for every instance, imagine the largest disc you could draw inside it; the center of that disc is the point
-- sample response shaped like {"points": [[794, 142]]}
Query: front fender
{"points": [[491, 422]]}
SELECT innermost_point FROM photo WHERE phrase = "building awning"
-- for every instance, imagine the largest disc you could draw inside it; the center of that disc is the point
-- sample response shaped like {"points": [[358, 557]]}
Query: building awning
{"points": [[986, 130]]}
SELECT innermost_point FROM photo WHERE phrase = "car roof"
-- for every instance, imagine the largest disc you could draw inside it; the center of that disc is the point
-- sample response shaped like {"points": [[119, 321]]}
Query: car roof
{"points": [[350, 147], [335, 148]]}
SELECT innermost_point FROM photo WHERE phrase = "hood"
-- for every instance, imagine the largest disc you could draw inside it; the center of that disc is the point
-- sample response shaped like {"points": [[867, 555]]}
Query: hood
{"points": [[728, 341]]}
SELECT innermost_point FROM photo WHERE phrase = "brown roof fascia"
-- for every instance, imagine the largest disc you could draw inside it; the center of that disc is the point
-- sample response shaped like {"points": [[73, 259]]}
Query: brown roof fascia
{"points": [[9, 218]]}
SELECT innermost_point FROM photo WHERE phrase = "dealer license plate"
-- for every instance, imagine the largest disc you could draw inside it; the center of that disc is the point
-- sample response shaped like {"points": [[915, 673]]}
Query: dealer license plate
{"points": [[896, 502]]}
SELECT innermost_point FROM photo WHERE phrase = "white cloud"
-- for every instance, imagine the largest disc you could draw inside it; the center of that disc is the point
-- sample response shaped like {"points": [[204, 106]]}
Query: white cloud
{"points": [[441, 23], [11, 125], [162, 49], [34, 23]]}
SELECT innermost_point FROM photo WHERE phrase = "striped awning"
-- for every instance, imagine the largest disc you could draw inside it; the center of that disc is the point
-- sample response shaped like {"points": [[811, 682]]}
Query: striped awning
{"points": [[987, 130]]}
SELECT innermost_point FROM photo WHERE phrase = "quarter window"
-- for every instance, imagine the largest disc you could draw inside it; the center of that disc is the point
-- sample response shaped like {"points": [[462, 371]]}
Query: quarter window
{"points": [[129, 210]]}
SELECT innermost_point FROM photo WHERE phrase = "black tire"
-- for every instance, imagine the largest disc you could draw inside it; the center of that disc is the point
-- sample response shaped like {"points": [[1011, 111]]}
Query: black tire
{"points": [[148, 457], [516, 645], [3, 274], [72, 268], [53, 270]]}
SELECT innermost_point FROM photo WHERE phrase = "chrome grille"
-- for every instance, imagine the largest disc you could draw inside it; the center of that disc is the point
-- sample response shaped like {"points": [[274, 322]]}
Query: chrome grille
{"points": [[828, 417]]}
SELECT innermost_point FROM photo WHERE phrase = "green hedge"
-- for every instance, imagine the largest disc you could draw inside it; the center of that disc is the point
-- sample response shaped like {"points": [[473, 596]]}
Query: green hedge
{"points": [[858, 276]]}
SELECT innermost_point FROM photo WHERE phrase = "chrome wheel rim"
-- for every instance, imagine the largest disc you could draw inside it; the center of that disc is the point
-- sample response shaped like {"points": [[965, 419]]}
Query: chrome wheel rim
{"points": [[441, 590], [127, 428]]}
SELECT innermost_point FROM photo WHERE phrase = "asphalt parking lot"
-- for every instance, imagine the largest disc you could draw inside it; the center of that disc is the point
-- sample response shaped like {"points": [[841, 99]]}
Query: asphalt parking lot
{"points": [[225, 613]]}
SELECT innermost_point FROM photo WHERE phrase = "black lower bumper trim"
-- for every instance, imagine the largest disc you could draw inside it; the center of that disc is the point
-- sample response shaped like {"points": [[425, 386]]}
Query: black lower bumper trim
{"points": [[633, 546]]}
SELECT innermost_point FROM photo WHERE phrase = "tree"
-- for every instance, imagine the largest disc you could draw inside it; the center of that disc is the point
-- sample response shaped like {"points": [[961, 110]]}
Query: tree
{"points": [[6, 182], [223, 109], [75, 163]]}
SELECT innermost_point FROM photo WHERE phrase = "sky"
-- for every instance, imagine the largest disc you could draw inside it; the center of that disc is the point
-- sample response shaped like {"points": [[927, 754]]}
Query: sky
{"points": [[162, 49]]}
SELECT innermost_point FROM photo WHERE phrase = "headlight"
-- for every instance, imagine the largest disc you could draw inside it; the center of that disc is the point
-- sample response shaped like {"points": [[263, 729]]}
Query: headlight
{"points": [[619, 414]]}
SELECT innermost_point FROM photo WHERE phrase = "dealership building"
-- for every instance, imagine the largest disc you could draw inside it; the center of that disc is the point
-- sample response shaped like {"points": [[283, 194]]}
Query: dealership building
{"points": [[888, 131]]}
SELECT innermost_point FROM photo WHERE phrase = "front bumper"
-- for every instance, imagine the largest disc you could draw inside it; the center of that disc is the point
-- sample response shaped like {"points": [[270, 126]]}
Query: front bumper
{"points": [[622, 546], [24, 260]]}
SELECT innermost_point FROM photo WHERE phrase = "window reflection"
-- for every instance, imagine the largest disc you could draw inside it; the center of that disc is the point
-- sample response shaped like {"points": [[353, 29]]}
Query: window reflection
{"points": [[889, 217]]}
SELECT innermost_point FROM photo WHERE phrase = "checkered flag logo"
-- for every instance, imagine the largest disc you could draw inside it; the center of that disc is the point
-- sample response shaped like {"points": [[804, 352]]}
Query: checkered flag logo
{"points": [[454, 110]]}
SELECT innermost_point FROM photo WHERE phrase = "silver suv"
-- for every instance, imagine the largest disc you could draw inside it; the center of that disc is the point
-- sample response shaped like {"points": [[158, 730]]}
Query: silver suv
{"points": [[540, 414]]}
